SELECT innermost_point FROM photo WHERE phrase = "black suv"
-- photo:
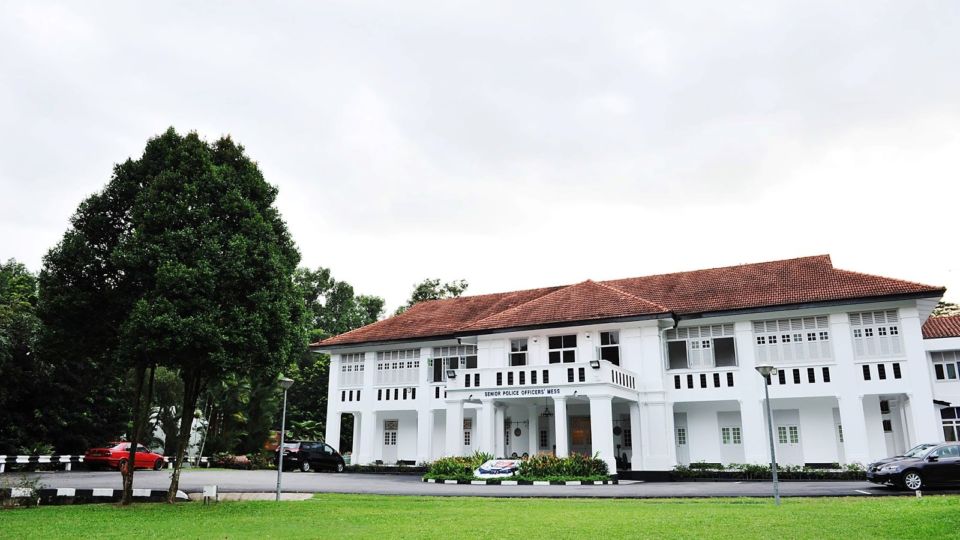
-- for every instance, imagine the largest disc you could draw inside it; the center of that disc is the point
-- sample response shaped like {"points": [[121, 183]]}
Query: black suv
{"points": [[937, 465], [310, 455]]}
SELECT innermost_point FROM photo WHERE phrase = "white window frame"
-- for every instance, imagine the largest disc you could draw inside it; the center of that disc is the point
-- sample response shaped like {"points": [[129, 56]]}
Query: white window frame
{"points": [[563, 348], [797, 339], [949, 361], [613, 343], [681, 436], [519, 348], [876, 334], [700, 345]]}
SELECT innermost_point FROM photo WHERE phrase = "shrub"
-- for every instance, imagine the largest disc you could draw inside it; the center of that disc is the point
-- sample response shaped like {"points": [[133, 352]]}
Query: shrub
{"points": [[576, 465], [263, 459]]}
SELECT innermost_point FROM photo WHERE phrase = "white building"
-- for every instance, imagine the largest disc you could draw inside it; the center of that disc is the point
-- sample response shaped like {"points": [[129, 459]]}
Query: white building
{"points": [[654, 371]]}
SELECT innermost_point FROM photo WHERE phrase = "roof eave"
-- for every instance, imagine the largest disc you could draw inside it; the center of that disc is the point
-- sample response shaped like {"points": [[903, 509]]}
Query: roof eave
{"points": [[818, 304]]}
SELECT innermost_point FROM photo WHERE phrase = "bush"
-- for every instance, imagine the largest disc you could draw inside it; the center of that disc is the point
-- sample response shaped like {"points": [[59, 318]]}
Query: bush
{"points": [[545, 467], [230, 461], [750, 471], [262, 460], [575, 466]]}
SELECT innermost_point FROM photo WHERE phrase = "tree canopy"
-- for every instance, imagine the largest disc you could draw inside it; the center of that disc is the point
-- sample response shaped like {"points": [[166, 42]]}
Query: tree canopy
{"points": [[434, 289], [182, 261]]}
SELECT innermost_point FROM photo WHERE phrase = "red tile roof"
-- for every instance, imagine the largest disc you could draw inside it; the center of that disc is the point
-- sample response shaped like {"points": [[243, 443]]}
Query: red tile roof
{"points": [[942, 327], [778, 283]]}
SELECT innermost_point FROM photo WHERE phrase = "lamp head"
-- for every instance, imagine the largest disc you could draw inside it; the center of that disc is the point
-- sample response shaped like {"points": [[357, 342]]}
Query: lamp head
{"points": [[451, 374], [285, 382], [766, 370]]}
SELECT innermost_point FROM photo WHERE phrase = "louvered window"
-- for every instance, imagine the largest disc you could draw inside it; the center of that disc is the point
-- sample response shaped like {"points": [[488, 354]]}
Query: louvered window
{"points": [[876, 334], [398, 367], [351, 369], [699, 347], [799, 339]]}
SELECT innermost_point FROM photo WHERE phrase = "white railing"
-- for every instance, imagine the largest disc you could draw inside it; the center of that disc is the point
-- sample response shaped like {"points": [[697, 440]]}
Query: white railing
{"points": [[574, 373]]}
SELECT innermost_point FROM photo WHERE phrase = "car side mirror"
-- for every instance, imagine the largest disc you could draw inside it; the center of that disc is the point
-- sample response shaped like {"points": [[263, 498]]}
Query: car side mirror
{"points": [[932, 458]]}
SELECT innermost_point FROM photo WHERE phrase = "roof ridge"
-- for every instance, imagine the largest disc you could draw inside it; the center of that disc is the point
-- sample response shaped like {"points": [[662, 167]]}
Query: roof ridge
{"points": [[631, 295], [917, 283], [727, 267], [518, 306]]}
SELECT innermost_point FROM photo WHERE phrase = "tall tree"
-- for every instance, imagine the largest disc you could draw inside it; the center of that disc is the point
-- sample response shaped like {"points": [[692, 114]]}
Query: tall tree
{"points": [[192, 265], [21, 374], [333, 308], [434, 289]]}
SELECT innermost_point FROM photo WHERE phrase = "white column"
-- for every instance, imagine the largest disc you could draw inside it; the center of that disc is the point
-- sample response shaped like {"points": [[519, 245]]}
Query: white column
{"points": [[601, 430], [656, 412], [424, 433], [500, 448], [856, 447], [486, 420], [533, 430], [368, 438], [333, 429], [454, 432], [560, 426], [927, 426], [636, 447], [753, 416], [355, 450]]}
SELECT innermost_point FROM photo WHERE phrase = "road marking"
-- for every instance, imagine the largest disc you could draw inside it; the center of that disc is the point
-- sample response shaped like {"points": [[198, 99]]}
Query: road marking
{"points": [[862, 491]]}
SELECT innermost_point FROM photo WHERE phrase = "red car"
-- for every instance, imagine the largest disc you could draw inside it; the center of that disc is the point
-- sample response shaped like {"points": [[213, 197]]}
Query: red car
{"points": [[116, 455]]}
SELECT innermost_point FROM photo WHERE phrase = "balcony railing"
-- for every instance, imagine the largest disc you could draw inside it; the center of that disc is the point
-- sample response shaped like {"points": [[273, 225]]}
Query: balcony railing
{"points": [[573, 373]]}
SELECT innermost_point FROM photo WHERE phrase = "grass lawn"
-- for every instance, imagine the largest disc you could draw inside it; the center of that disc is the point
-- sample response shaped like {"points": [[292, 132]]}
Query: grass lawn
{"points": [[376, 516]]}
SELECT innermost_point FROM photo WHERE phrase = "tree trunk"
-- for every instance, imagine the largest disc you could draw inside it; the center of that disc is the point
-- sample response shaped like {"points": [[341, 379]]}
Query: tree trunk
{"points": [[191, 393], [127, 471]]}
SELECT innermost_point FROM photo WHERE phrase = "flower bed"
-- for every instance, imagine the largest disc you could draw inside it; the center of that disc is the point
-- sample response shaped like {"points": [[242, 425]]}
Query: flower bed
{"points": [[545, 468], [747, 471]]}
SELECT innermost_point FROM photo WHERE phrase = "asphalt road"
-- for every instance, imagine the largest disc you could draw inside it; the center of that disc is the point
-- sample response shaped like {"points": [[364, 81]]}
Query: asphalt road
{"points": [[192, 481]]}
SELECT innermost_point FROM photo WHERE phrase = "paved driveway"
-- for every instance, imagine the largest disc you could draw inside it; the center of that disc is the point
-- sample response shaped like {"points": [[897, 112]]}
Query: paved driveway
{"points": [[264, 481]]}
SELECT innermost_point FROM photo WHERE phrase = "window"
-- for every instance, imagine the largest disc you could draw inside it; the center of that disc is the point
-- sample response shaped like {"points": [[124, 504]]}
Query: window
{"points": [[946, 365], [884, 406], [782, 434], [563, 349], [951, 423], [506, 435], [794, 434], [543, 438], [351, 369], [681, 435], [699, 347], [840, 432], [627, 438], [610, 347], [791, 340], [730, 435], [390, 432], [398, 367], [887, 426], [876, 334], [518, 352], [459, 357]]}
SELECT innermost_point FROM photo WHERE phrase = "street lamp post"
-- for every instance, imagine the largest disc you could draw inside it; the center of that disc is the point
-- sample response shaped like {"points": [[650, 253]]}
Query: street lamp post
{"points": [[285, 383], [766, 371]]}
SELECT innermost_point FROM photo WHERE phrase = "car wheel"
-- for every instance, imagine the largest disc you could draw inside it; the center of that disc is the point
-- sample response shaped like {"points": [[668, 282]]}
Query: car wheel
{"points": [[158, 464], [305, 466], [340, 467], [121, 465], [912, 480]]}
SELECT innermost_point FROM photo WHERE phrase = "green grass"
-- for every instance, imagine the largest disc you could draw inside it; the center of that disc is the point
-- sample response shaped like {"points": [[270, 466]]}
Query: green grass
{"points": [[375, 516]]}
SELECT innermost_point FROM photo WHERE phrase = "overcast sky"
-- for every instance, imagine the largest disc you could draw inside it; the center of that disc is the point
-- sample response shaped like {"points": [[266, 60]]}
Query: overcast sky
{"points": [[513, 144]]}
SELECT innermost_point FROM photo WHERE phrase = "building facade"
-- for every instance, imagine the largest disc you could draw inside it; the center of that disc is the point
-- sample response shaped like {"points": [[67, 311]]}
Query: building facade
{"points": [[652, 372]]}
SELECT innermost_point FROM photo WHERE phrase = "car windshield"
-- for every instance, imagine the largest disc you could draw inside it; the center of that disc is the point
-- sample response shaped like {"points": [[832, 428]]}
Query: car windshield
{"points": [[293, 445], [918, 450]]}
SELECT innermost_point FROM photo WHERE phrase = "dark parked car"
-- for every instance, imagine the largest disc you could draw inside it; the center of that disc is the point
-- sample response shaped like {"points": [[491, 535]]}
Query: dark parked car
{"points": [[310, 455], [932, 466]]}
